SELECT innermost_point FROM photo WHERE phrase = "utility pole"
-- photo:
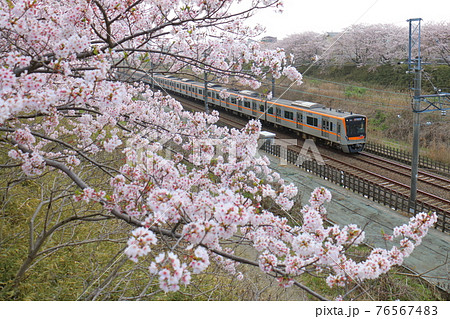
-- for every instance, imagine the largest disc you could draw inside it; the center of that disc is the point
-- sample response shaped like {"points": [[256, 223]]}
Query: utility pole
{"points": [[152, 81], [206, 93], [416, 65], [273, 86], [439, 101]]}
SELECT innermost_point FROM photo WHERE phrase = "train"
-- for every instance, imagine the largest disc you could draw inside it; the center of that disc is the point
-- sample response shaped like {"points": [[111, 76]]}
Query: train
{"points": [[340, 129]]}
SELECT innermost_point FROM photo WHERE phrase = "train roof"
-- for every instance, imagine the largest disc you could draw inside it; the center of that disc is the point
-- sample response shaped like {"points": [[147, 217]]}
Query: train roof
{"points": [[214, 85], [266, 135], [249, 93], [311, 107], [308, 105]]}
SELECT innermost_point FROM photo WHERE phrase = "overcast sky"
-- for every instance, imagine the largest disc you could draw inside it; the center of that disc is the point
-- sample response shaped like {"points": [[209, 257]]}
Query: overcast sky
{"points": [[336, 15]]}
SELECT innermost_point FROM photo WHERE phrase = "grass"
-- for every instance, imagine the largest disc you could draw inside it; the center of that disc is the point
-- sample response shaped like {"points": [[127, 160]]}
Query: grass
{"points": [[354, 91]]}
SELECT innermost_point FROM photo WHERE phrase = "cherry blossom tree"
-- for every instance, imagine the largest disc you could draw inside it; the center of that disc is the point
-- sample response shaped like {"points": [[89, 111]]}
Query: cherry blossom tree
{"points": [[129, 155], [307, 47], [369, 45], [436, 42], [363, 44]]}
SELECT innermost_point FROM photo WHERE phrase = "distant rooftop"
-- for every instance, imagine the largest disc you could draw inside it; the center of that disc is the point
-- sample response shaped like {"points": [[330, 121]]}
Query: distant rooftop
{"points": [[269, 39]]}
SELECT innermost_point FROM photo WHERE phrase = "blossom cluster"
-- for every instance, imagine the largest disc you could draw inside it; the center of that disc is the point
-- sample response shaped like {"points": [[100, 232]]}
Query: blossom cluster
{"points": [[171, 272], [139, 244], [32, 163]]}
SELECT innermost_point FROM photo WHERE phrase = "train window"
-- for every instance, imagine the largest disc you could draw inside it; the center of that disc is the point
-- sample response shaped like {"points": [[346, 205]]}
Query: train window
{"points": [[331, 126], [270, 110], [312, 121], [289, 115], [261, 107], [247, 104], [200, 91], [209, 94], [356, 127], [233, 100]]}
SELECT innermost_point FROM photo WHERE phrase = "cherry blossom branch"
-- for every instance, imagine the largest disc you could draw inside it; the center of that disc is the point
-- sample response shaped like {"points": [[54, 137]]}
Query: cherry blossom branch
{"points": [[104, 168]]}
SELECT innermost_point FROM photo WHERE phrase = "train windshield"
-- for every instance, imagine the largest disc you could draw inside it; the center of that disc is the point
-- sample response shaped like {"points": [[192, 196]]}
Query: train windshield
{"points": [[356, 126]]}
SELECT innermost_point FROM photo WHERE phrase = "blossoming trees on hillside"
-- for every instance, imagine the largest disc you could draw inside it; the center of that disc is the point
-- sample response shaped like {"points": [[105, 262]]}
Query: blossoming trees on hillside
{"points": [[104, 150], [364, 44], [369, 45], [436, 42], [306, 46]]}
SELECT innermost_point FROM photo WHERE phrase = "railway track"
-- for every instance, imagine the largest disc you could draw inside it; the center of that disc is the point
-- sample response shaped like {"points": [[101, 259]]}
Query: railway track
{"points": [[431, 180], [375, 169], [430, 199]]}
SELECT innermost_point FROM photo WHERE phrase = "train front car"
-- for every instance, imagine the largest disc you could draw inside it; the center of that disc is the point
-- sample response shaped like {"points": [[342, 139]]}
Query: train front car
{"points": [[355, 133]]}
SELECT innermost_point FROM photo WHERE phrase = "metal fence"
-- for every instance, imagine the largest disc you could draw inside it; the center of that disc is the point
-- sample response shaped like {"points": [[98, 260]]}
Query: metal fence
{"points": [[405, 157], [378, 193]]}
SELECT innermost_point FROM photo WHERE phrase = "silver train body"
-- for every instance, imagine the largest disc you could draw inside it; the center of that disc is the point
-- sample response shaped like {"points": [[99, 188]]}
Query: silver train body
{"points": [[340, 129]]}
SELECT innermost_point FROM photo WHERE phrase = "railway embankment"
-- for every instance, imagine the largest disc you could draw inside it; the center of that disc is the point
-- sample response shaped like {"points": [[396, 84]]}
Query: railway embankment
{"points": [[430, 259]]}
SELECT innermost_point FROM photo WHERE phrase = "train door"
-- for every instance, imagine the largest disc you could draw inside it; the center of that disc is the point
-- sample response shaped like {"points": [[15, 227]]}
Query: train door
{"points": [[262, 109], [338, 135], [278, 118], [325, 128], [239, 106], [299, 120], [332, 129], [247, 107], [254, 113], [217, 100], [233, 103]]}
